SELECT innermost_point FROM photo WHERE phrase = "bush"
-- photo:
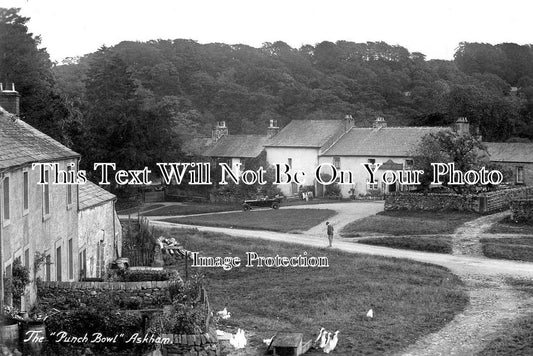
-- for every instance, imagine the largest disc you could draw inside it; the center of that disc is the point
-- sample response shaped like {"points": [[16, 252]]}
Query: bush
{"points": [[101, 316], [189, 310], [142, 275]]}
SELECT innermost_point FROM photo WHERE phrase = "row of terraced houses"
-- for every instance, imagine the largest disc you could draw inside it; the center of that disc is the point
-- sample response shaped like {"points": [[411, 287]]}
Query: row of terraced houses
{"points": [[72, 231], [306, 144]]}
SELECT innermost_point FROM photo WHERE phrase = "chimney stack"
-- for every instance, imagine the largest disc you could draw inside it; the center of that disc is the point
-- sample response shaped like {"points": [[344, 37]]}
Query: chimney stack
{"points": [[219, 131], [349, 121], [273, 128], [10, 99], [379, 123], [462, 126]]}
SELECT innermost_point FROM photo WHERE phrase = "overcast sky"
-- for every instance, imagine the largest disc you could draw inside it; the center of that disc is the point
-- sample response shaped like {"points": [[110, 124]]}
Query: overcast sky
{"points": [[435, 28]]}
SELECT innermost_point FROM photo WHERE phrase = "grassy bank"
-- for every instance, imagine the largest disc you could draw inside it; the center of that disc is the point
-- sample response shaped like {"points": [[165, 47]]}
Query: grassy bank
{"points": [[404, 222], [191, 208], [409, 299], [517, 338], [509, 248], [438, 244], [284, 220], [507, 226]]}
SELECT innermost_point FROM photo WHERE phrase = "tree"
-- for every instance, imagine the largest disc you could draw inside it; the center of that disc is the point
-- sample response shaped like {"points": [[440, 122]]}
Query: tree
{"points": [[29, 68], [126, 123], [465, 151]]}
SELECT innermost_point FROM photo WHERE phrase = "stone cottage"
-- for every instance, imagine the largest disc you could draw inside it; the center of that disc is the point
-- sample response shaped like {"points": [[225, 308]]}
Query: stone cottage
{"points": [[515, 156], [44, 219]]}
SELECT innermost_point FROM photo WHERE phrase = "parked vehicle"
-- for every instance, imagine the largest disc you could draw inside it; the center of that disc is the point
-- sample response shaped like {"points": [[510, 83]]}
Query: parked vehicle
{"points": [[262, 203]]}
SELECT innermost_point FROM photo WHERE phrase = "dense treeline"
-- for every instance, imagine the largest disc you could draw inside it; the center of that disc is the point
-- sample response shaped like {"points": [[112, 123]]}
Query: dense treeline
{"points": [[246, 86], [141, 102]]}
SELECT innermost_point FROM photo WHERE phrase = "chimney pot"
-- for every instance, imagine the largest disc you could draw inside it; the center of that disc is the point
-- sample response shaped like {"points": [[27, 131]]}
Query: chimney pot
{"points": [[219, 131], [379, 123], [462, 126], [273, 128], [10, 99]]}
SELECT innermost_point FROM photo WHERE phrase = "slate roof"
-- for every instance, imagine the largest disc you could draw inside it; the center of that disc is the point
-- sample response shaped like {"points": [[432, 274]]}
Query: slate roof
{"points": [[386, 141], [91, 195], [510, 151], [238, 146], [306, 133], [21, 144]]}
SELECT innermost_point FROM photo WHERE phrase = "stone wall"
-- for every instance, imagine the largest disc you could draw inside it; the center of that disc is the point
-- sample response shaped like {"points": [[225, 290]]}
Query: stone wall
{"points": [[430, 202], [127, 295], [522, 211], [501, 199], [484, 203], [192, 345]]}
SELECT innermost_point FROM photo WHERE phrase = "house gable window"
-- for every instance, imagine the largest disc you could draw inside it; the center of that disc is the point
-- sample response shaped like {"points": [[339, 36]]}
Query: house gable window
{"points": [[70, 261], [25, 192], [337, 162], [47, 268], [69, 190], [58, 264], [27, 258], [82, 263], [5, 201], [520, 175], [46, 195]]}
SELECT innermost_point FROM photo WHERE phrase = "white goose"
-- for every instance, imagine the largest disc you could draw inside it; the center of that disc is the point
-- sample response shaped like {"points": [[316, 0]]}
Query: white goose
{"points": [[370, 314], [224, 314], [268, 341], [319, 334], [325, 340], [332, 343]]}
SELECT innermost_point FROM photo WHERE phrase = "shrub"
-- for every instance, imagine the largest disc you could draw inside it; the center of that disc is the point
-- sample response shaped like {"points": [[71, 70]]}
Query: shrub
{"points": [[189, 311], [141, 275]]}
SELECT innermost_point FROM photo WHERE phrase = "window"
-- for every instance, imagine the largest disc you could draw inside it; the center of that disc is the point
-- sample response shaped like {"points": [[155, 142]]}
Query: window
{"points": [[8, 271], [82, 264], [337, 162], [6, 199], [47, 267], [69, 188], [46, 194], [372, 160], [100, 270], [70, 262], [519, 174], [25, 193], [58, 264], [409, 163], [371, 186], [289, 161], [27, 258]]}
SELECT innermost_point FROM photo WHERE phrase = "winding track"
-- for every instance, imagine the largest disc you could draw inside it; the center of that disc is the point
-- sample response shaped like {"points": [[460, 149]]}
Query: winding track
{"points": [[493, 304]]}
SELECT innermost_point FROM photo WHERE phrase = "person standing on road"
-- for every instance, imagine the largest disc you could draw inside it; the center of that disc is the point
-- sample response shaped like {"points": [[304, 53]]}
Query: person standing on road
{"points": [[329, 228]]}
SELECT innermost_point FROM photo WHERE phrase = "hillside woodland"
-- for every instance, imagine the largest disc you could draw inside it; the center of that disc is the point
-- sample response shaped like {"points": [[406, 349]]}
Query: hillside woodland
{"points": [[138, 103]]}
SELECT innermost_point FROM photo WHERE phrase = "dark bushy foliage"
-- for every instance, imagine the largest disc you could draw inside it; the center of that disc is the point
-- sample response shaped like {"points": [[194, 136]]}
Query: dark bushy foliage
{"points": [[142, 275]]}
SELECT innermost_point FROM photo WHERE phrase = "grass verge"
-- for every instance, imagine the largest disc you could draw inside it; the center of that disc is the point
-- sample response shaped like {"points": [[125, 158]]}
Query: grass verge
{"points": [[190, 209], [134, 210], [439, 244], [509, 248], [507, 226], [409, 299], [404, 222], [516, 339], [284, 220]]}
